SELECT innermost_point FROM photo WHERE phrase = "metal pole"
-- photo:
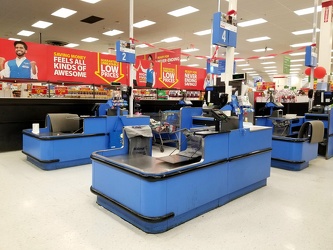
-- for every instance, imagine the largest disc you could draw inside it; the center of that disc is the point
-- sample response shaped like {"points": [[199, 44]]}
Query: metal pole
{"points": [[130, 99]]}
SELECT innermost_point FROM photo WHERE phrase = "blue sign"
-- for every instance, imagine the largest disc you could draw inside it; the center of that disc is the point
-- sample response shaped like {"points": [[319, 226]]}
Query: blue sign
{"points": [[310, 56], [216, 67], [125, 52], [224, 30]]}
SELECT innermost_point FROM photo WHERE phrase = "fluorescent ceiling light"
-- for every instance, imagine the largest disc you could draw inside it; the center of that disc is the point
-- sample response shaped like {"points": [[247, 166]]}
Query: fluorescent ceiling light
{"points": [[183, 60], [243, 65], [268, 63], [25, 33], [271, 70], [302, 32], [307, 11], [91, 1], [297, 54], [265, 57], [270, 67], [14, 39], [251, 22], [236, 53], [113, 32], [171, 39], [295, 69], [297, 60], [193, 65], [190, 50], [141, 46], [248, 69], [183, 11], [143, 23], [41, 24], [271, 73], [203, 32], [89, 39], [240, 60], [296, 65], [71, 45], [63, 13], [251, 72], [256, 74], [257, 39], [300, 44], [262, 50]]}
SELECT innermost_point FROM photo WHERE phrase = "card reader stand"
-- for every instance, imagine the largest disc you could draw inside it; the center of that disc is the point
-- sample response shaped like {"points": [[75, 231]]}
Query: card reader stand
{"points": [[219, 117]]}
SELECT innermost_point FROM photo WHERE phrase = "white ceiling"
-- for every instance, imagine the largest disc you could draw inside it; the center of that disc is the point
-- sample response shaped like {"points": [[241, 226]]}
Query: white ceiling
{"points": [[21, 14]]}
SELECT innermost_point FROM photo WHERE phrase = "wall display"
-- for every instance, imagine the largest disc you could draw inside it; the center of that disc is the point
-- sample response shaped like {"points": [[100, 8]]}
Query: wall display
{"points": [[224, 30], [56, 64]]}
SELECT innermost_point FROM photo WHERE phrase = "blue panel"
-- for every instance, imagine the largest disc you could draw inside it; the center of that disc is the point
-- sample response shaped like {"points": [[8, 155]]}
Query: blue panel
{"points": [[243, 141], [125, 52], [248, 170]]}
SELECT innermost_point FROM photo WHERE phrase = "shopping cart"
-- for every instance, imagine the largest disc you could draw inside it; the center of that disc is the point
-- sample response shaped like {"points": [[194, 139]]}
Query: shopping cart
{"points": [[165, 125]]}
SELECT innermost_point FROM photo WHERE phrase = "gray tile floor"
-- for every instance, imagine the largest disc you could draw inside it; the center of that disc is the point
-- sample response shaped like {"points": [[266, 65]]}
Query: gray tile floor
{"points": [[55, 210]]}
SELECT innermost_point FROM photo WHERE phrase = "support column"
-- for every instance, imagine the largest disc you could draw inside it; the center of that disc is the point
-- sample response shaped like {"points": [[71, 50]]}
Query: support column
{"points": [[325, 40]]}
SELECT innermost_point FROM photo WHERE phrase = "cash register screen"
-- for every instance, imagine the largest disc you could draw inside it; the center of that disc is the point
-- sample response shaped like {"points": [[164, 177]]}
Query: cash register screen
{"points": [[219, 115]]}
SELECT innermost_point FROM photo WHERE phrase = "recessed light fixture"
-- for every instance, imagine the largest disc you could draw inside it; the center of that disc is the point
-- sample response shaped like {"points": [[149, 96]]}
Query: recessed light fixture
{"points": [[296, 45], [183, 11], [248, 69], [306, 11], [257, 39], [143, 23], [295, 69], [41, 24], [171, 39], [297, 60], [270, 67], [190, 50], [141, 46], [271, 70], [193, 65], [252, 22], [91, 1], [265, 57], [89, 39], [240, 60], [262, 50], [203, 32], [25, 33], [63, 13], [268, 63], [296, 65], [71, 45], [243, 65], [302, 32], [297, 54], [14, 39], [113, 32]]}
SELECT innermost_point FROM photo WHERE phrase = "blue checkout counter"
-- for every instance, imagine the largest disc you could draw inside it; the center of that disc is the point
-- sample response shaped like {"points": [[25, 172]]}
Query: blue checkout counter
{"points": [[292, 150], [211, 169], [68, 140]]}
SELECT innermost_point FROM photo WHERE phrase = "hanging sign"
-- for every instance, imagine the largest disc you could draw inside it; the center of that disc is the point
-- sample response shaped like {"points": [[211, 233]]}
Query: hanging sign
{"points": [[125, 52], [224, 30]]}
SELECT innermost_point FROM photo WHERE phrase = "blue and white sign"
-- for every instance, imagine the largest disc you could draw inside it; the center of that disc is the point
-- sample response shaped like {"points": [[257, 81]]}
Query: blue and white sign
{"points": [[224, 30], [310, 56], [217, 67], [125, 52]]}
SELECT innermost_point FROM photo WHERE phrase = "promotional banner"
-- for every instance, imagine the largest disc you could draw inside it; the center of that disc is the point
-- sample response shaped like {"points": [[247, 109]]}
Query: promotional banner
{"points": [[166, 56], [56, 64], [168, 76], [60, 64]]}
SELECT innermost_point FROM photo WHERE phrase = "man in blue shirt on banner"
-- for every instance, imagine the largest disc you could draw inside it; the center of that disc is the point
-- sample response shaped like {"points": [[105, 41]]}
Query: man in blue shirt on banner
{"points": [[20, 67]]}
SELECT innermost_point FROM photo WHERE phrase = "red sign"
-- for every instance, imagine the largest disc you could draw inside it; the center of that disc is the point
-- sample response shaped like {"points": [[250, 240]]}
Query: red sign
{"points": [[61, 90], [39, 90]]}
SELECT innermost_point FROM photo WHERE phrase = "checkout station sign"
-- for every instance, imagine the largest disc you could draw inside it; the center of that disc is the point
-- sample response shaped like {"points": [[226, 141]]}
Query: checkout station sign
{"points": [[224, 30]]}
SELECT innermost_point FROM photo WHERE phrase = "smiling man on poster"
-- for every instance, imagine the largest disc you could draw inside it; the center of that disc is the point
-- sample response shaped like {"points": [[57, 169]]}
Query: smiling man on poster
{"points": [[20, 67]]}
